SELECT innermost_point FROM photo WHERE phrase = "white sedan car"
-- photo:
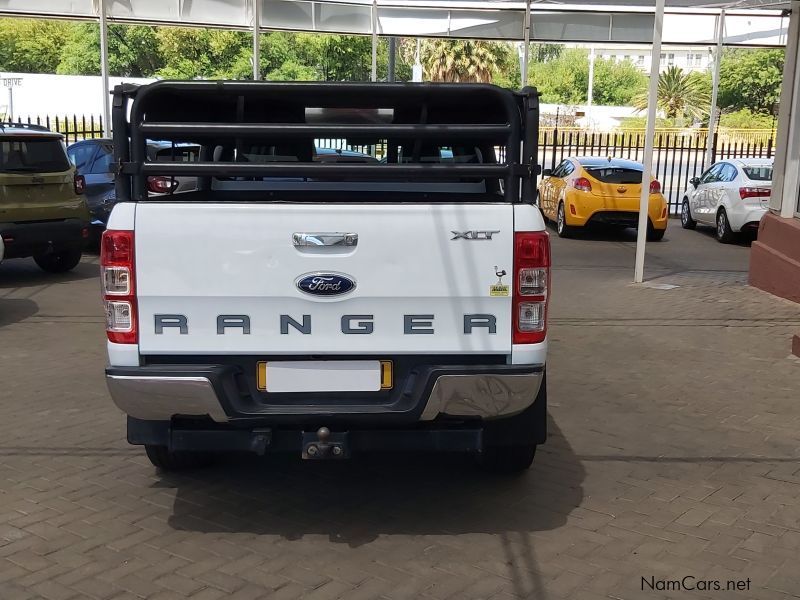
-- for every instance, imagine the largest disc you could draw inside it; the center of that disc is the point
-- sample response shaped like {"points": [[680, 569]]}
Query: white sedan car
{"points": [[731, 196]]}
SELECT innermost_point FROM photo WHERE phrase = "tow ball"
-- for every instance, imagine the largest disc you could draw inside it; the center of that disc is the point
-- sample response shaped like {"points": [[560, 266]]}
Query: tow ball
{"points": [[324, 444]]}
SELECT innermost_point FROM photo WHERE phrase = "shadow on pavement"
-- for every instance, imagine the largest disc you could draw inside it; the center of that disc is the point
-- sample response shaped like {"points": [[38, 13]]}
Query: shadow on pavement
{"points": [[14, 310], [356, 501], [16, 273]]}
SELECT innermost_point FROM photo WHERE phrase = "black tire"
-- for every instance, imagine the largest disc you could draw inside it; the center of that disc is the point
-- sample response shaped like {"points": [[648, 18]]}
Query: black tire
{"points": [[563, 230], [687, 222], [165, 460], [59, 262], [725, 234], [507, 460], [655, 235]]}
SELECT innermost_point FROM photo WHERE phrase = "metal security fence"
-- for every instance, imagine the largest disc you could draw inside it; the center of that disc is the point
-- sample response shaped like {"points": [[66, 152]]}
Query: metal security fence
{"points": [[678, 155], [74, 127]]}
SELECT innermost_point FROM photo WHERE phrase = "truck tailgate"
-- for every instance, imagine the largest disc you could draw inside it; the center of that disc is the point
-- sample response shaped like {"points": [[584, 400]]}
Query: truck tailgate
{"points": [[418, 285]]}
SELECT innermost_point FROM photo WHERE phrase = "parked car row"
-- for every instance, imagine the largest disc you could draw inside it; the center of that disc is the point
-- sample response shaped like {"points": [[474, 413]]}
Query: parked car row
{"points": [[731, 196], [54, 199], [43, 213]]}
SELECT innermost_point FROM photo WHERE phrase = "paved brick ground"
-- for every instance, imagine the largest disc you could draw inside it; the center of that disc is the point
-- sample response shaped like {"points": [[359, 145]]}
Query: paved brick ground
{"points": [[674, 452]]}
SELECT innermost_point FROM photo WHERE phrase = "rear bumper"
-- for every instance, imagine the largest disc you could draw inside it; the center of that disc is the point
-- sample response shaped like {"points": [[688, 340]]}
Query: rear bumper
{"points": [[585, 208], [39, 237], [745, 216], [161, 392]]}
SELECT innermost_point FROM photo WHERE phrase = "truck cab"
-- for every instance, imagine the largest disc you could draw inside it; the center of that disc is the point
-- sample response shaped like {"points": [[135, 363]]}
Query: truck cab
{"points": [[331, 307]]}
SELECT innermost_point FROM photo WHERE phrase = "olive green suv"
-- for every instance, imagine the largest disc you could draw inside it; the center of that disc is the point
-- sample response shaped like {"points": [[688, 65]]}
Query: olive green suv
{"points": [[43, 213]]}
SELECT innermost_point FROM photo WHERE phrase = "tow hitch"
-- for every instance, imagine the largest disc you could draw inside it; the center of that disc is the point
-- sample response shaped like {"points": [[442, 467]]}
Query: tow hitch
{"points": [[324, 444]]}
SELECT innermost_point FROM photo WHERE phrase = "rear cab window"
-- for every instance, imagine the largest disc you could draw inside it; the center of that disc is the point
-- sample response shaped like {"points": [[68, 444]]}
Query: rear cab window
{"points": [[33, 154], [613, 171], [758, 172]]}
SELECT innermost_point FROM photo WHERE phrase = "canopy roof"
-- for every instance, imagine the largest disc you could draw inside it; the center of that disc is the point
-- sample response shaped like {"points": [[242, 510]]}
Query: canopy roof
{"points": [[750, 22]]}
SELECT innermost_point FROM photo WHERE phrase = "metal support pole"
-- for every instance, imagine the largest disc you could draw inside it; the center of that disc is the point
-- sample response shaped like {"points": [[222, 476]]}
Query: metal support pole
{"points": [[590, 90], [104, 70], [392, 59], [712, 118], [786, 178], [10, 111], [652, 105], [374, 40], [526, 50], [256, 40]]}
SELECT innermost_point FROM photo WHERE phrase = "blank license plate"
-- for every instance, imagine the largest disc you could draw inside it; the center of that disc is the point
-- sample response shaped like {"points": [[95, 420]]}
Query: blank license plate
{"points": [[320, 376]]}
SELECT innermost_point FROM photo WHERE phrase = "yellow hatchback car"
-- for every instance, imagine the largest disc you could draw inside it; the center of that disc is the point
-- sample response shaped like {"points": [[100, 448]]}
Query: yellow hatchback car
{"points": [[589, 189]]}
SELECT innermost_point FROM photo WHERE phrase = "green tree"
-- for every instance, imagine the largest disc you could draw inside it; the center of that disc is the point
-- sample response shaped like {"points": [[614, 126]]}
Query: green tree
{"points": [[32, 45], [544, 52], [746, 119], [203, 53], [617, 83], [751, 79], [132, 51], [465, 60], [564, 79], [680, 95]]}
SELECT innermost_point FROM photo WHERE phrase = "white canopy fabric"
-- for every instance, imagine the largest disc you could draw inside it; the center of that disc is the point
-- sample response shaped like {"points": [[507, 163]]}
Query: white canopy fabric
{"points": [[587, 21]]}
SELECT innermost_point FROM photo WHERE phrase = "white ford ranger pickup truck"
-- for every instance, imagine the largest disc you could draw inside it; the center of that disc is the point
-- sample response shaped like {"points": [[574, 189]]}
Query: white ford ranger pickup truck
{"points": [[328, 308]]}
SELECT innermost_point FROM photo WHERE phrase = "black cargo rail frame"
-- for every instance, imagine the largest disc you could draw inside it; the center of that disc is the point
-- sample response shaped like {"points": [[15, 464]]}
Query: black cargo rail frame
{"points": [[515, 126]]}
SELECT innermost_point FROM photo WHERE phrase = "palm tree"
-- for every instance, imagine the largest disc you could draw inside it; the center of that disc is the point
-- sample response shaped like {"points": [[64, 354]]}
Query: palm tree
{"points": [[461, 60], [679, 95]]}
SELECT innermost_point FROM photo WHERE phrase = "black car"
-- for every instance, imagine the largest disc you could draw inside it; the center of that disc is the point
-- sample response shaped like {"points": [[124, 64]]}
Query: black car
{"points": [[95, 158]]}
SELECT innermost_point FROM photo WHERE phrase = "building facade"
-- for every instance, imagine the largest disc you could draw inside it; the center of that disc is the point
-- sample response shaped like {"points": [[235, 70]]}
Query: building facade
{"points": [[775, 256], [692, 58]]}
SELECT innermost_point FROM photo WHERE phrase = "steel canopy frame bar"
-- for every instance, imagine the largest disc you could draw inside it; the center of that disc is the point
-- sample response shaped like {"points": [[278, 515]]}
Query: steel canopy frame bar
{"points": [[374, 14], [104, 69], [712, 118], [256, 40], [527, 41], [647, 161]]}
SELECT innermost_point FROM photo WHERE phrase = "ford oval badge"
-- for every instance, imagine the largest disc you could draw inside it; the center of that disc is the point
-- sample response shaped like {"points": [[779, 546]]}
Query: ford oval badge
{"points": [[325, 284]]}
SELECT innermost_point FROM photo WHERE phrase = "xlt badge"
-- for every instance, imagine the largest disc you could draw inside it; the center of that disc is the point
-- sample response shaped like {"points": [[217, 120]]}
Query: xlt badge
{"points": [[474, 234]]}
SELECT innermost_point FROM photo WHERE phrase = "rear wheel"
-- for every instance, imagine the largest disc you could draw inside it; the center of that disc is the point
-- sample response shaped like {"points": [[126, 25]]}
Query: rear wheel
{"points": [[655, 235], [59, 262], [725, 234], [687, 222], [162, 458], [508, 460], [562, 228]]}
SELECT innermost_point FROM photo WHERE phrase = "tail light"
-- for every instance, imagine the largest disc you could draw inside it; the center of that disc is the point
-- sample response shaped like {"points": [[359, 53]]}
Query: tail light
{"points": [[118, 280], [582, 184], [532, 286], [655, 187], [161, 185], [754, 192], [80, 184]]}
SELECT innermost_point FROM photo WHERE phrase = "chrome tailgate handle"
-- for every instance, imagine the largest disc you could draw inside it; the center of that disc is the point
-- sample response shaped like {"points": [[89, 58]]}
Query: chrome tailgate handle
{"points": [[302, 240]]}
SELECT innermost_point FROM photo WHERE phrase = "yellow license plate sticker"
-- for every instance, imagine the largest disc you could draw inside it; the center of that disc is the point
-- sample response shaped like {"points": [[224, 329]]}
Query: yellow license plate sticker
{"points": [[498, 290]]}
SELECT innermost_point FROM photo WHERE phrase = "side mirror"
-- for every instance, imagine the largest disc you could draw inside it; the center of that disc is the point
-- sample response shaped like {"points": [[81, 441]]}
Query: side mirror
{"points": [[547, 172], [695, 181]]}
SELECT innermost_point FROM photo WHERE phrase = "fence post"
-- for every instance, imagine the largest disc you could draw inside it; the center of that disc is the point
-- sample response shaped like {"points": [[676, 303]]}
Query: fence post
{"points": [[769, 148], [555, 137], [715, 139]]}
